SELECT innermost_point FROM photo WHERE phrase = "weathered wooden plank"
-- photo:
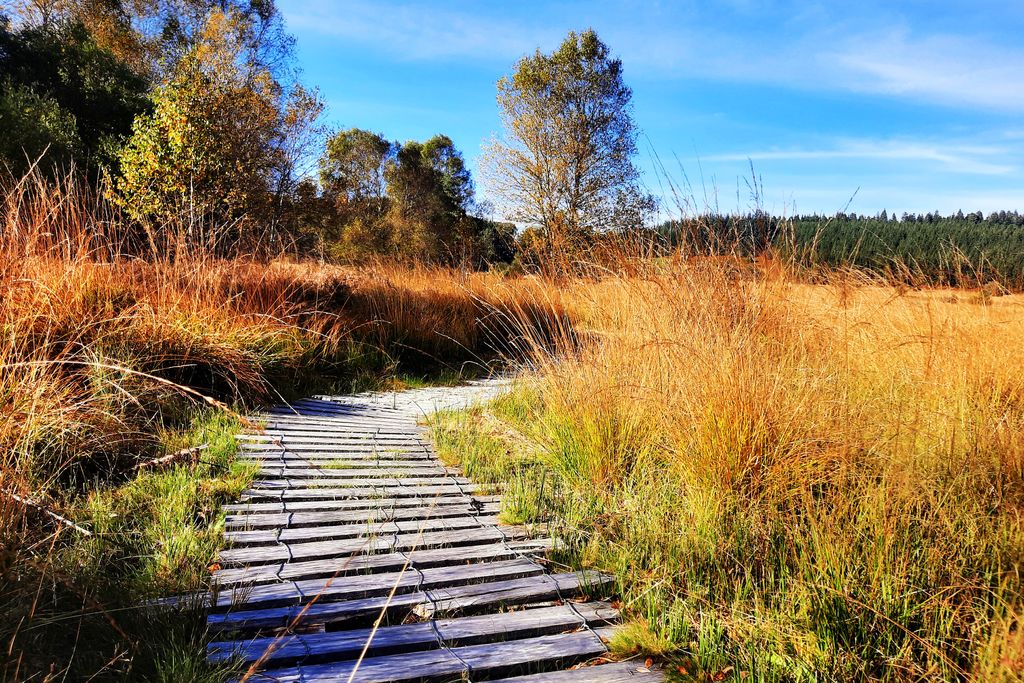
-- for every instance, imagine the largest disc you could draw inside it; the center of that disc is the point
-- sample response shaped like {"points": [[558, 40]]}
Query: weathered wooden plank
{"points": [[364, 481], [379, 423], [540, 653], [356, 402], [357, 504], [329, 404], [356, 530], [327, 443], [342, 412], [331, 407], [364, 417], [432, 603], [342, 566], [322, 462], [341, 645], [546, 587], [294, 520], [291, 421], [309, 424], [329, 461], [318, 613], [299, 470], [420, 492], [341, 401], [325, 549], [370, 445], [344, 475], [336, 454], [329, 455], [329, 447], [333, 450], [614, 672], [383, 424], [336, 435], [345, 430], [340, 460], [291, 649], [366, 586]]}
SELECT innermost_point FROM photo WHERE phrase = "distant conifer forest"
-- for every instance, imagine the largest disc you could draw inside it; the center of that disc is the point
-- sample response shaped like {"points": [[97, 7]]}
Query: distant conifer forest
{"points": [[959, 249]]}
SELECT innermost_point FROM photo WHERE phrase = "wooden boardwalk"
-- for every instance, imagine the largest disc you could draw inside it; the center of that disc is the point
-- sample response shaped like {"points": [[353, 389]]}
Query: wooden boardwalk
{"points": [[358, 556]]}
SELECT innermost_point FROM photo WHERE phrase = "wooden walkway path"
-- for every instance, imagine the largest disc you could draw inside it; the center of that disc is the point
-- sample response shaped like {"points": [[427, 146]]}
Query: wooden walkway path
{"points": [[354, 521]]}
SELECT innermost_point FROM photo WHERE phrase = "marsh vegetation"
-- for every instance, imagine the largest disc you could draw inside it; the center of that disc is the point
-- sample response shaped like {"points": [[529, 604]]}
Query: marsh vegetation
{"points": [[796, 443]]}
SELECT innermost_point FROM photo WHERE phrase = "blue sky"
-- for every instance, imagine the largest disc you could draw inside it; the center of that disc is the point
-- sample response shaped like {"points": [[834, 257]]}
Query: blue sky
{"points": [[910, 106]]}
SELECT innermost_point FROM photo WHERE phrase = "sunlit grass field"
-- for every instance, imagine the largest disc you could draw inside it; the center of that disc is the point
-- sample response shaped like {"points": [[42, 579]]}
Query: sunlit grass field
{"points": [[794, 476], [790, 481]]}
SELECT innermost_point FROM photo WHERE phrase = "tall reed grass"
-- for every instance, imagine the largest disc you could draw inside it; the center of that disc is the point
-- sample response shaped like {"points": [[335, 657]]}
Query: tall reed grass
{"points": [[791, 481]]}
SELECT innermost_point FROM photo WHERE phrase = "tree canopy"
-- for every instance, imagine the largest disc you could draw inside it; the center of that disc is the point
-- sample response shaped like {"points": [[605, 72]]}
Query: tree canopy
{"points": [[565, 162], [353, 170], [413, 201], [152, 36], [64, 95], [219, 146]]}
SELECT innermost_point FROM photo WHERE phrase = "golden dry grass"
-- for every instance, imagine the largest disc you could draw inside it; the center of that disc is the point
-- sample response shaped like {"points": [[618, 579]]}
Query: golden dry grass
{"points": [[800, 482]]}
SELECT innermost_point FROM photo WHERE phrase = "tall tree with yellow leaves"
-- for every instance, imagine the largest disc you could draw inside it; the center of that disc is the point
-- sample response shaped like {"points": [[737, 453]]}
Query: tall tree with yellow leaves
{"points": [[220, 146]]}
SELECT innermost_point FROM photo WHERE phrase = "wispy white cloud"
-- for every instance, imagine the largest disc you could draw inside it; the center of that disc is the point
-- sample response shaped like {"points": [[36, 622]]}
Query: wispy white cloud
{"points": [[958, 71], [953, 158], [947, 69]]}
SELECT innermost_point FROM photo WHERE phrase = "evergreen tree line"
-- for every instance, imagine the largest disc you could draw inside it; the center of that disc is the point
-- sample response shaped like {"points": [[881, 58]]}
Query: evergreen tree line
{"points": [[958, 249]]}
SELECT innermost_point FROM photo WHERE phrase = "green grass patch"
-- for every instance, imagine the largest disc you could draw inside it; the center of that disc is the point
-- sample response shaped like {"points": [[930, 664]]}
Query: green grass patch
{"points": [[494, 453], [159, 531], [154, 534]]}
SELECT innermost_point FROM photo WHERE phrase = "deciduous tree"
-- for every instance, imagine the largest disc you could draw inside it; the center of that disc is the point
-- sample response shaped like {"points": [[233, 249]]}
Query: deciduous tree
{"points": [[431, 192], [353, 180], [353, 169], [565, 161], [152, 36], [63, 94], [218, 148]]}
